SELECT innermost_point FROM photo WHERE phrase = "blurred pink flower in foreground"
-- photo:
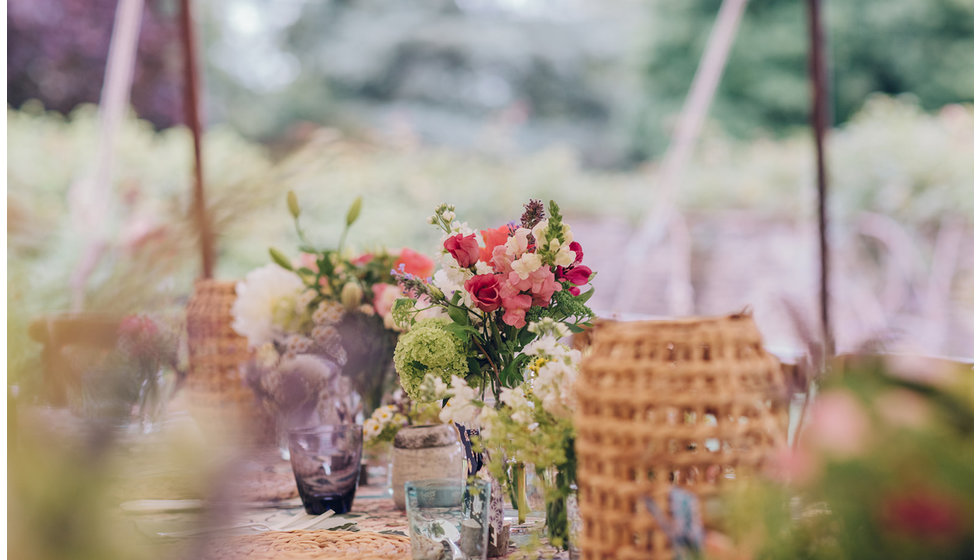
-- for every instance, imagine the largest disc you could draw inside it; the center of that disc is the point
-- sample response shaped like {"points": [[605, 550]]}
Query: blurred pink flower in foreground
{"points": [[902, 408], [837, 425], [792, 466], [921, 513]]}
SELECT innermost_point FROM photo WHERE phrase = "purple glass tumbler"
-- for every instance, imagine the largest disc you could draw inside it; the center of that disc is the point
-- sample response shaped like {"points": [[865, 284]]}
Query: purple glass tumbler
{"points": [[326, 462]]}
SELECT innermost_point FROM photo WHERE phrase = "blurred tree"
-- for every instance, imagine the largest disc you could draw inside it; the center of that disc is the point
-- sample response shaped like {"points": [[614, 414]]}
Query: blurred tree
{"points": [[56, 53], [887, 46]]}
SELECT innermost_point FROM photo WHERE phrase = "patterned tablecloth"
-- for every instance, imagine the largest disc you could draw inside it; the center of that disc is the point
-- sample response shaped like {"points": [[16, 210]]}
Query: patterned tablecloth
{"points": [[373, 510]]}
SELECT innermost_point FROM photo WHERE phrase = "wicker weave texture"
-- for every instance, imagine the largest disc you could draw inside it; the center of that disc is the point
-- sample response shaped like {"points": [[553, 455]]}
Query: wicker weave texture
{"points": [[216, 352], [308, 545], [690, 402]]}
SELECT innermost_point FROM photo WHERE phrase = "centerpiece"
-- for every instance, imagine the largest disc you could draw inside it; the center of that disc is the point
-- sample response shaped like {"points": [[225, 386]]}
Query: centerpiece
{"points": [[321, 326], [483, 338]]}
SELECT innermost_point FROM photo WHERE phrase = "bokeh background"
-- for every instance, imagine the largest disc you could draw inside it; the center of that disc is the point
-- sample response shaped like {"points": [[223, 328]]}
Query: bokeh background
{"points": [[487, 103]]}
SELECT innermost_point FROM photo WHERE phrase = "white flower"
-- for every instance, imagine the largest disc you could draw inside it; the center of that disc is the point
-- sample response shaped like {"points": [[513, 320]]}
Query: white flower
{"points": [[463, 407], [385, 414], [528, 263], [483, 268], [258, 297], [371, 428], [513, 398], [517, 244], [449, 216], [565, 256]]}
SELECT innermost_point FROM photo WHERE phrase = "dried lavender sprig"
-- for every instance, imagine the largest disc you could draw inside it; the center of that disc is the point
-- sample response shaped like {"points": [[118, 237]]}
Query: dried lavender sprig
{"points": [[533, 213]]}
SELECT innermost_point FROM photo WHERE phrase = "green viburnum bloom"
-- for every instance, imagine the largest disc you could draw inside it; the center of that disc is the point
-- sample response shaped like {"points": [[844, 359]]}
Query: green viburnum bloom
{"points": [[428, 348]]}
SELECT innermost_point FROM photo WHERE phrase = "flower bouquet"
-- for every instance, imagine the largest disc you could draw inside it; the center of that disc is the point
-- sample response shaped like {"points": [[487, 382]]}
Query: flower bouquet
{"points": [[331, 311], [483, 336]]}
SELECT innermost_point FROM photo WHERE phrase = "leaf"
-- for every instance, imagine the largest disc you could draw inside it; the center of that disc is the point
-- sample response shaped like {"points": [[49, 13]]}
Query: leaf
{"points": [[292, 203], [354, 211], [458, 315], [525, 338], [462, 332], [305, 270], [587, 295], [280, 259], [511, 375], [574, 328]]}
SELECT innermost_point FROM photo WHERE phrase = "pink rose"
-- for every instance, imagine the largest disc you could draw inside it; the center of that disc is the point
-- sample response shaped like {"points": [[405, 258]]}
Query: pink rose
{"points": [[464, 249], [415, 263], [485, 289]]}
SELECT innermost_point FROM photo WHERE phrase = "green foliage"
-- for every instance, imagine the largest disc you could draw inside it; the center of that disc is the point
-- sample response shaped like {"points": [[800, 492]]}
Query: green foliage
{"points": [[885, 46]]}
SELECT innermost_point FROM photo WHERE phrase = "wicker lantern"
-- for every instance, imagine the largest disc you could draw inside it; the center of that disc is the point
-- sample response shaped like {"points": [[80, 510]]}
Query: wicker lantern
{"points": [[215, 391], [690, 403]]}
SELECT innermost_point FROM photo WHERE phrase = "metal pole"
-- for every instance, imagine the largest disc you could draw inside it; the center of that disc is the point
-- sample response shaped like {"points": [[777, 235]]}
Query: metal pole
{"points": [[819, 120], [192, 114]]}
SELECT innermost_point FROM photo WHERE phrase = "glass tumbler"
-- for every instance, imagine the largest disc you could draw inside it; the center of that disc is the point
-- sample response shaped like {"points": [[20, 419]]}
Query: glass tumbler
{"points": [[326, 462], [448, 518]]}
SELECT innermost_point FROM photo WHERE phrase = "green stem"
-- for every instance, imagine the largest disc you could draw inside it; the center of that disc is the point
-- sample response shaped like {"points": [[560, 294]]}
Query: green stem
{"points": [[521, 480]]}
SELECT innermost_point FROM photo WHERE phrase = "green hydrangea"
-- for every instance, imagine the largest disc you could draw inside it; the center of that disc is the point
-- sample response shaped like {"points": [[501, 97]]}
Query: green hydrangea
{"points": [[428, 347]]}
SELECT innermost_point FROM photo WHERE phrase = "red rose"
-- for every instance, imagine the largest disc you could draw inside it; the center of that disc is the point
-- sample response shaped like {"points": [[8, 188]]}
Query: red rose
{"points": [[465, 250], [415, 263], [485, 289], [491, 239]]}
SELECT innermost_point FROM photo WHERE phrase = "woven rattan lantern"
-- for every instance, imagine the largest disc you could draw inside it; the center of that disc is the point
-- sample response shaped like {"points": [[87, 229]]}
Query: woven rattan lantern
{"points": [[218, 397], [691, 403]]}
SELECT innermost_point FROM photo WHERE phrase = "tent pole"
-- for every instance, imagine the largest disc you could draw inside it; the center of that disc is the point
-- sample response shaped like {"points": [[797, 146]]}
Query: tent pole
{"points": [[192, 90], [819, 121]]}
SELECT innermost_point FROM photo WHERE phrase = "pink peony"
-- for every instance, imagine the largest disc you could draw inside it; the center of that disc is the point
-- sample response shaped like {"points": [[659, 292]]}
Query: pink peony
{"points": [[464, 249], [485, 289]]}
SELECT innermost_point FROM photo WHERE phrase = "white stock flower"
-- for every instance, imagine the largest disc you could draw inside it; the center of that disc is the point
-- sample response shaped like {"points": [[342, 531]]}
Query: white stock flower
{"points": [[462, 407], [258, 297], [483, 268], [565, 256], [517, 244], [528, 263]]}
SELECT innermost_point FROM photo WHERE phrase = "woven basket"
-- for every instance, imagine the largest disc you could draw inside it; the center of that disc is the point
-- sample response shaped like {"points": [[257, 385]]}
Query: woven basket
{"points": [[216, 393], [691, 403]]}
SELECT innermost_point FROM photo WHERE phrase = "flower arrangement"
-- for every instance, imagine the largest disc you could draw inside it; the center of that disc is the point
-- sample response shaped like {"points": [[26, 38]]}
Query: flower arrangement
{"points": [[883, 469], [471, 320], [483, 338], [329, 303]]}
